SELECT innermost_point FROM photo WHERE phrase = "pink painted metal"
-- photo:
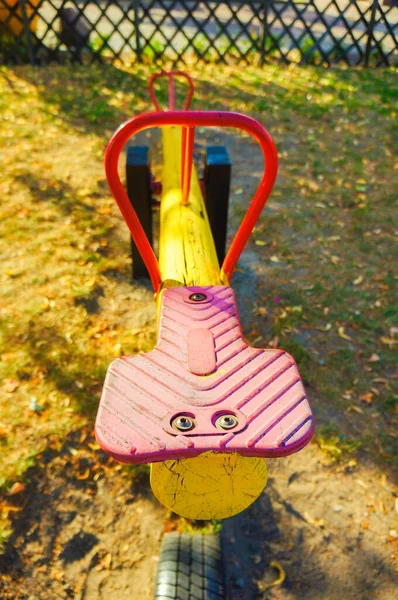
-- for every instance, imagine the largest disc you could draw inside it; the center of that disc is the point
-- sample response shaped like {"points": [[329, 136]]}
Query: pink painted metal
{"points": [[143, 393], [201, 352]]}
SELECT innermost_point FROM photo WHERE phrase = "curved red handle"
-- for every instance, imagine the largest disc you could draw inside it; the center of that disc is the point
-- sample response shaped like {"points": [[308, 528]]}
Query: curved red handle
{"points": [[171, 75], [190, 119]]}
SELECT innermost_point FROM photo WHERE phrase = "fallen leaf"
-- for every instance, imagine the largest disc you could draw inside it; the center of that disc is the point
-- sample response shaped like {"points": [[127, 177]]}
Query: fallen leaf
{"points": [[388, 341], [105, 210], [374, 358], [10, 385], [17, 488], [358, 280], [275, 259], [368, 398], [355, 409], [34, 405], [260, 243], [274, 342], [105, 562], [343, 335], [281, 575]]}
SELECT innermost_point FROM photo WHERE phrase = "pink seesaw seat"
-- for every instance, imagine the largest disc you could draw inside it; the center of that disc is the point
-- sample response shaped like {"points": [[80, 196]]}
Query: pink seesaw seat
{"points": [[201, 367]]}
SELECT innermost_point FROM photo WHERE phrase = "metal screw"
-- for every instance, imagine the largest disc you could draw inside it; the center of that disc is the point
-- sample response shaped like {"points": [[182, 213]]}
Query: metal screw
{"points": [[227, 422], [198, 297], [183, 423]]}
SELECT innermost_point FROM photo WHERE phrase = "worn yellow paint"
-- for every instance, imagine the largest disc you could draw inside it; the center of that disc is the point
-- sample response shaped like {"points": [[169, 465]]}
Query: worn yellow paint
{"points": [[186, 248], [212, 485]]}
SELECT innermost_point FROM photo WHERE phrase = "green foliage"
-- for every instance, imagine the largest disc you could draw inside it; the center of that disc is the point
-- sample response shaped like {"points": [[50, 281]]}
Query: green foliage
{"points": [[13, 48], [334, 444], [338, 51], [272, 42], [309, 52], [154, 50], [99, 44]]}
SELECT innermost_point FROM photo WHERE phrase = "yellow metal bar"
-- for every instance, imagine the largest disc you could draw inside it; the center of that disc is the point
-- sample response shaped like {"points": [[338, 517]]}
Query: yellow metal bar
{"points": [[187, 253], [212, 485]]}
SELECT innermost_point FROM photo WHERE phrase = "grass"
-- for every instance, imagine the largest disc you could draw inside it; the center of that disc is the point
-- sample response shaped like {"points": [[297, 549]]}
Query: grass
{"points": [[67, 308]]}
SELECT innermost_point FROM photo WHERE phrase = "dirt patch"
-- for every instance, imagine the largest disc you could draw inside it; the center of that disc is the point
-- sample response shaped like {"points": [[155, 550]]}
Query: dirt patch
{"points": [[90, 529]]}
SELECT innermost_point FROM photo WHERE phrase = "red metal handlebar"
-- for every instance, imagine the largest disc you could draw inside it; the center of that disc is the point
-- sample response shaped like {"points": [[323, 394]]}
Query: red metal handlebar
{"points": [[171, 75], [190, 119]]}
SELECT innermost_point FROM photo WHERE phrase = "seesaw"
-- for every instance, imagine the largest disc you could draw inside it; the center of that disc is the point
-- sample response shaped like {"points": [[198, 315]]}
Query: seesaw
{"points": [[204, 408]]}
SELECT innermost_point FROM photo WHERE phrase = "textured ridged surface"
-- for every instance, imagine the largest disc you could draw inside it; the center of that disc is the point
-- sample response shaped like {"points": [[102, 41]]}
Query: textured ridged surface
{"points": [[262, 388], [190, 568]]}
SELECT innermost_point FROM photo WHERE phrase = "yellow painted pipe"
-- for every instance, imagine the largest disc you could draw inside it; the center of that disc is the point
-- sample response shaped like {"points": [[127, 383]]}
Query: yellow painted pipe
{"points": [[212, 485], [187, 253]]}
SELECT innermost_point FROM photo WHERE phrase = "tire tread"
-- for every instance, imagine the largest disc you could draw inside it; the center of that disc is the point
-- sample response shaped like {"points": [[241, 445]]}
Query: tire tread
{"points": [[190, 568]]}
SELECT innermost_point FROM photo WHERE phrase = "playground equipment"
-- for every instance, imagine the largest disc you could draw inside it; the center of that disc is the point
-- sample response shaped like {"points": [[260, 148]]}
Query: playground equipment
{"points": [[204, 408]]}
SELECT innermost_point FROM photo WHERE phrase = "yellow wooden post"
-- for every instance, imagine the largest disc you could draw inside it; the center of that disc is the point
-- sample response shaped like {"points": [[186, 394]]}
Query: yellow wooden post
{"points": [[212, 485]]}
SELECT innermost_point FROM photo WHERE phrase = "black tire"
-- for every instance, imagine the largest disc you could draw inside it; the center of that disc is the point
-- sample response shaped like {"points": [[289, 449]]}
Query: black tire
{"points": [[190, 568]]}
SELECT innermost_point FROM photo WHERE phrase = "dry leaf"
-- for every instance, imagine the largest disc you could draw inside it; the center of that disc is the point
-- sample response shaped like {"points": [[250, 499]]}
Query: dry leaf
{"points": [[105, 562], [104, 210], [260, 243], [374, 358], [275, 259], [10, 385], [355, 409], [274, 342], [368, 398], [17, 488], [281, 575], [343, 335], [358, 280], [388, 341]]}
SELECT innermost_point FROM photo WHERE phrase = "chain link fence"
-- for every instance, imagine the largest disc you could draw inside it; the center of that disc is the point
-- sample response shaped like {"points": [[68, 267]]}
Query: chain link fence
{"points": [[321, 32]]}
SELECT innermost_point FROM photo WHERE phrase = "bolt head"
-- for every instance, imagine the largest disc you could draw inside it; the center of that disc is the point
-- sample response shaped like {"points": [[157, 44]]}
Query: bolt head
{"points": [[227, 422], [198, 297], [183, 423]]}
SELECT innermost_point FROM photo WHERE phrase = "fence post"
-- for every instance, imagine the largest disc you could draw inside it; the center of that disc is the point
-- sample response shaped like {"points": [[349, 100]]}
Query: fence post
{"points": [[370, 31], [137, 31], [266, 7], [27, 32]]}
